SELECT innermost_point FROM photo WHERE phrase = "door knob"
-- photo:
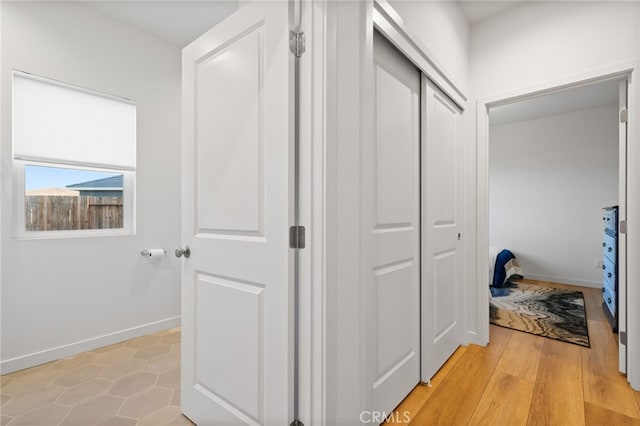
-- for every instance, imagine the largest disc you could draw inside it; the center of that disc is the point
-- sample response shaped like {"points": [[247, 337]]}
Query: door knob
{"points": [[186, 251]]}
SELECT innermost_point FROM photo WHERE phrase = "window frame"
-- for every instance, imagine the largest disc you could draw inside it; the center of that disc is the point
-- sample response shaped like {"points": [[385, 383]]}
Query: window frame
{"points": [[19, 184], [128, 203]]}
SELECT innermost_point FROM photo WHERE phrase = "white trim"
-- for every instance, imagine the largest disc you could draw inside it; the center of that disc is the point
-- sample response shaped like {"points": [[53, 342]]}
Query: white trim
{"points": [[312, 346], [614, 71], [390, 23], [59, 352], [564, 280]]}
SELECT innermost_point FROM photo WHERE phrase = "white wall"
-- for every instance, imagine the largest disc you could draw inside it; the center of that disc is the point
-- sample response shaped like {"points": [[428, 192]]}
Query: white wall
{"points": [[543, 41], [549, 179], [59, 296], [444, 31]]}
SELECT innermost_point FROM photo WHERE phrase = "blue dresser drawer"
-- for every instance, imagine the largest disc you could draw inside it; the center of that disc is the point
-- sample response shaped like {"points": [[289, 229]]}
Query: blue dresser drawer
{"points": [[609, 299], [610, 264], [610, 218], [609, 272], [609, 247]]}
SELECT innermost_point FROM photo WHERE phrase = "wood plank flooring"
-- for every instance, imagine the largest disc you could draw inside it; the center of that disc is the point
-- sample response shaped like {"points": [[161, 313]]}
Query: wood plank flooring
{"points": [[523, 379]]}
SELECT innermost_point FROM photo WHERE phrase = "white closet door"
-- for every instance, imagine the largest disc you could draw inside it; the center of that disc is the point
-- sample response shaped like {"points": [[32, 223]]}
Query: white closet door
{"points": [[394, 229], [441, 227]]}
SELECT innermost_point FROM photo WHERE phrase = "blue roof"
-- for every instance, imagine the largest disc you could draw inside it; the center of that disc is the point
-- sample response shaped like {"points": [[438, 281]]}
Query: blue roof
{"points": [[110, 182]]}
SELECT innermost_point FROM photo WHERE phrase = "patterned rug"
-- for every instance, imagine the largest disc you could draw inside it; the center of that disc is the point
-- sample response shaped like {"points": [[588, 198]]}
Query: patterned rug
{"points": [[550, 312]]}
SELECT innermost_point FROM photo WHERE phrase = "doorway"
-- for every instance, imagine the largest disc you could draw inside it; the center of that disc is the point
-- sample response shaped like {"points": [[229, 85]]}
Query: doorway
{"points": [[599, 100]]}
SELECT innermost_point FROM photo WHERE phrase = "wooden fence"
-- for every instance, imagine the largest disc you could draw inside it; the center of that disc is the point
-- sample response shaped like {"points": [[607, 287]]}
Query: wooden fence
{"points": [[56, 213]]}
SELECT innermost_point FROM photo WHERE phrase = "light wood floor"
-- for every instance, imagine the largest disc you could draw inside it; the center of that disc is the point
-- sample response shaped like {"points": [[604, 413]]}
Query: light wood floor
{"points": [[522, 379]]}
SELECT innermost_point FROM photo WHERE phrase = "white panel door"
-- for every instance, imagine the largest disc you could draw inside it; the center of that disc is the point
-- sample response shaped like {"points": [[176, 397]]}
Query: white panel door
{"points": [[237, 198], [394, 227], [441, 227], [622, 237]]}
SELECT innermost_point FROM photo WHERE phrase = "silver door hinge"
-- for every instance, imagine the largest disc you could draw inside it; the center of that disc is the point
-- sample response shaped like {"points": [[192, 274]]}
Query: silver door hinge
{"points": [[297, 43], [623, 227], [623, 337], [624, 115], [296, 237]]}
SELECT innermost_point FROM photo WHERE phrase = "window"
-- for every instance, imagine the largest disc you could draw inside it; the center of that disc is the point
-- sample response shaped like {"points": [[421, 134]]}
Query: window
{"points": [[74, 157]]}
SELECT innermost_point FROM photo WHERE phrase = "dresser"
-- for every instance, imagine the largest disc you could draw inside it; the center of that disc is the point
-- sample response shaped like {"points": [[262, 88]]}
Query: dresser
{"points": [[610, 265]]}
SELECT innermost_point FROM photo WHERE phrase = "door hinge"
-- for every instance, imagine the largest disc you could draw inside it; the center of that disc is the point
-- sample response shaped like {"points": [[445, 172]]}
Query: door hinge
{"points": [[297, 43], [623, 227], [296, 237], [624, 115], [623, 337]]}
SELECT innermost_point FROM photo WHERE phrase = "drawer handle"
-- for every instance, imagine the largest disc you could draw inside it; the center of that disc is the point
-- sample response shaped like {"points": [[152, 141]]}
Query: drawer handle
{"points": [[603, 289], [604, 244], [609, 274], [608, 300], [609, 249], [603, 267]]}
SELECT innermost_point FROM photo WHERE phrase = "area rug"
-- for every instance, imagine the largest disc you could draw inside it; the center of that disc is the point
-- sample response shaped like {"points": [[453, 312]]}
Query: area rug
{"points": [[550, 312]]}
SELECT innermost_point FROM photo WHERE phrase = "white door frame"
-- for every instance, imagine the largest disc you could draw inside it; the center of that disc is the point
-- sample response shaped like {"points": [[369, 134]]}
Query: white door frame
{"points": [[626, 69]]}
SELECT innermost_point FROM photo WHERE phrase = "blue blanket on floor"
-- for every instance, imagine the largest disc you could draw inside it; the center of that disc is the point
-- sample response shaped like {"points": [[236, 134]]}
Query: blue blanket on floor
{"points": [[500, 270]]}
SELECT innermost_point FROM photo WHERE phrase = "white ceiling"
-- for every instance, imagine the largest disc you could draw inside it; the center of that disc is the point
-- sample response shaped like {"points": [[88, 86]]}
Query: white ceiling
{"points": [[476, 11], [178, 22], [570, 100]]}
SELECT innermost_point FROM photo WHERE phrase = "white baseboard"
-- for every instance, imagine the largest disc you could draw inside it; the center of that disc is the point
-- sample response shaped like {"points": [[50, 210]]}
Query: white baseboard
{"points": [[564, 280], [48, 355]]}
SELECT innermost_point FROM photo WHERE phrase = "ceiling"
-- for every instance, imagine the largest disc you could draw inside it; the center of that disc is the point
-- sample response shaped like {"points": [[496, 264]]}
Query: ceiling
{"points": [[570, 100], [476, 11], [178, 22]]}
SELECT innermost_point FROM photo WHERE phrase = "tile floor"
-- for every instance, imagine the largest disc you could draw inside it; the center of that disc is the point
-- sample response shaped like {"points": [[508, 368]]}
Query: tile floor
{"points": [[136, 382]]}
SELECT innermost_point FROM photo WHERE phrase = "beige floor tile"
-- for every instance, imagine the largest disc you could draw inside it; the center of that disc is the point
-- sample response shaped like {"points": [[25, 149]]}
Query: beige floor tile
{"points": [[175, 349], [163, 363], [70, 363], [4, 420], [161, 333], [143, 341], [30, 382], [175, 399], [108, 348], [119, 421], [94, 411], [170, 338], [170, 379], [114, 355], [123, 368], [78, 375], [84, 392], [30, 401], [163, 416], [153, 351], [5, 398], [5, 380], [145, 403], [181, 420], [47, 415], [30, 371], [134, 383]]}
